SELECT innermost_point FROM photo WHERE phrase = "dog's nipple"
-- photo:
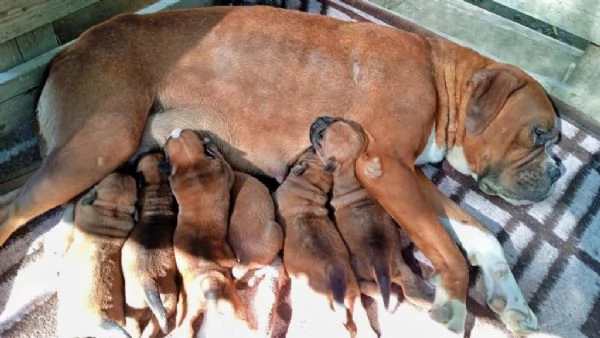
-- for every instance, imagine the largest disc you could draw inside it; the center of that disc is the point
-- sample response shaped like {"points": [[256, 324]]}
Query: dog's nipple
{"points": [[176, 133]]}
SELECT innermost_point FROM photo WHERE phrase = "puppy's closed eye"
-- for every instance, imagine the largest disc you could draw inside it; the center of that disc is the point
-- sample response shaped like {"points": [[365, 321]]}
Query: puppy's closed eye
{"points": [[89, 198], [299, 168]]}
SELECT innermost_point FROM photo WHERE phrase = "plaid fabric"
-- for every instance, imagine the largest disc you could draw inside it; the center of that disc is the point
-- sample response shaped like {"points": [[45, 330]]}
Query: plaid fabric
{"points": [[553, 247]]}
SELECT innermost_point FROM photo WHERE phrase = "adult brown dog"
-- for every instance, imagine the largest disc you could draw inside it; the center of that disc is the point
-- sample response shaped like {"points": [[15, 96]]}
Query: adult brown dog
{"points": [[201, 181], [314, 253], [240, 74], [253, 234], [90, 294], [148, 260], [369, 232]]}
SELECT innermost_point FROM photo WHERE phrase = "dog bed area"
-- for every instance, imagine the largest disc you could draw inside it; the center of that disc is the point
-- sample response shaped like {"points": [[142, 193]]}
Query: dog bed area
{"points": [[552, 246]]}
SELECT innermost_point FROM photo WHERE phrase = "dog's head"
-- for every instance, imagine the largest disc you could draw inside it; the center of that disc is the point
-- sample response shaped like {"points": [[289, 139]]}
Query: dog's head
{"points": [[195, 158], [510, 124], [116, 192], [337, 141], [310, 167]]}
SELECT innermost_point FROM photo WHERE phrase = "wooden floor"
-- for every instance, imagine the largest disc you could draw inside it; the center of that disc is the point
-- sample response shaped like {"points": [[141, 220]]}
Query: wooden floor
{"points": [[567, 72]]}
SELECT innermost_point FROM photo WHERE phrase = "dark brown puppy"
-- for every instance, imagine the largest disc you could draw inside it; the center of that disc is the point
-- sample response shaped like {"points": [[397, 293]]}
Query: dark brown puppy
{"points": [[314, 252], [370, 233], [147, 257], [90, 292], [201, 181], [253, 234]]}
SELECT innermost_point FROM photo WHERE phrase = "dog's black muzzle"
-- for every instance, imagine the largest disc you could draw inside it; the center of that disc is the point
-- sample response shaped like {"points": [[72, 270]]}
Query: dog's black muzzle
{"points": [[318, 127]]}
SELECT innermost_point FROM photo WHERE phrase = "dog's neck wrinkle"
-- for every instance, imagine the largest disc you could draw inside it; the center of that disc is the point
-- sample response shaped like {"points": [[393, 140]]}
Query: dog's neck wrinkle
{"points": [[157, 200], [308, 191], [451, 76]]}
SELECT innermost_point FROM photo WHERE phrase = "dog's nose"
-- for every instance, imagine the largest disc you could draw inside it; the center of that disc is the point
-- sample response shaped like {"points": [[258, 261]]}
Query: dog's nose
{"points": [[554, 173], [317, 128]]}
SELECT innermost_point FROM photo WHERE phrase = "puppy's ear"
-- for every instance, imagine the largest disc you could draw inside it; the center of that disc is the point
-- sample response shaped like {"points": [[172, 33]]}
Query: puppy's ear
{"points": [[299, 168], [164, 167], [330, 165], [489, 88], [89, 198]]}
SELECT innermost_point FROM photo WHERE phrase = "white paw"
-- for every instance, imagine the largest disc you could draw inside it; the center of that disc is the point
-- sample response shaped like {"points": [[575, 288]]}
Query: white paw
{"points": [[504, 297], [451, 313]]}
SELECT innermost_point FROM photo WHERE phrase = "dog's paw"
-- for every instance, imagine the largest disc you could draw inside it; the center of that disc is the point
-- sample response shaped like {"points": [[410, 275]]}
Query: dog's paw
{"points": [[506, 300], [449, 312]]}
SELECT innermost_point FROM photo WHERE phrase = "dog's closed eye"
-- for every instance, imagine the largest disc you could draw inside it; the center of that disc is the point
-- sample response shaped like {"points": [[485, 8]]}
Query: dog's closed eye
{"points": [[299, 168]]}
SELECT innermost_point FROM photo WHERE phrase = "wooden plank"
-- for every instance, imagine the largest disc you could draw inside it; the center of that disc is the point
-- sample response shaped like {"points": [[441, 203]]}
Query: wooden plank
{"points": [[586, 76], [26, 75], [579, 17], [18, 178], [36, 42], [15, 112], [70, 26], [491, 35], [18, 17], [9, 55]]}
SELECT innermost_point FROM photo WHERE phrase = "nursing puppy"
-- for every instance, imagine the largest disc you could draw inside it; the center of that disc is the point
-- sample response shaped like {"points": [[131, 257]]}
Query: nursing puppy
{"points": [[148, 260], [314, 252], [201, 181], [90, 292], [370, 233], [253, 234]]}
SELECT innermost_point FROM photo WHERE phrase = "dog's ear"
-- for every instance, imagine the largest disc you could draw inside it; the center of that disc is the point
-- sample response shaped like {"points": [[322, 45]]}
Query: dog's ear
{"points": [[330, 165], [299, 168], [489, 88], [89, 197]]}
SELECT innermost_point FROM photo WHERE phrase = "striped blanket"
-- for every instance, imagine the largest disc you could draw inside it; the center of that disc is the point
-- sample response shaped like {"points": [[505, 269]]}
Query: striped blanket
{"points": [[553, 247]]}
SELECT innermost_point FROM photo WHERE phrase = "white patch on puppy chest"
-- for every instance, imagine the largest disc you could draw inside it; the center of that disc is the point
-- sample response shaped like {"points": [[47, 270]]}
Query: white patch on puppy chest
{"points": [[176, 133], [432, 153]]}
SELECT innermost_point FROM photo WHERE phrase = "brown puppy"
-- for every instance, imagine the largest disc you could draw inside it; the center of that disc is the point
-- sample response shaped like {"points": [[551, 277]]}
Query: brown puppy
{"points": [[90, 294], [425, 98], [314, 253], [253, 234], [201, 181], [148, 260], [370, 233]]}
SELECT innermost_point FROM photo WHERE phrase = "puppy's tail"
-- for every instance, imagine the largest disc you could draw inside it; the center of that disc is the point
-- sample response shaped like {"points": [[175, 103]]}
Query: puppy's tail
{"points": [[110, 328], [155, 303], [382, 275], [338, 285]]}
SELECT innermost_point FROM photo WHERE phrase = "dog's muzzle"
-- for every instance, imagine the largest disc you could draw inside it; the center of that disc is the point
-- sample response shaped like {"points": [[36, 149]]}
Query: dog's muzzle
{"points": [[318, 127]]}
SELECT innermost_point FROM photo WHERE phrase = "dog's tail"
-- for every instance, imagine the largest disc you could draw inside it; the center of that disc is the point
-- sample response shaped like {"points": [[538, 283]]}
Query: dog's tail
{"points": [[380, 262], [110, 328], [155, 303], [338, 285], [382, 275]]}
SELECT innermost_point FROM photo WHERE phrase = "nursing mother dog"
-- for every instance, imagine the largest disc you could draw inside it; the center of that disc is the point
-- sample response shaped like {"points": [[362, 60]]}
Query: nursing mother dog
{"points": [[257, 77]]}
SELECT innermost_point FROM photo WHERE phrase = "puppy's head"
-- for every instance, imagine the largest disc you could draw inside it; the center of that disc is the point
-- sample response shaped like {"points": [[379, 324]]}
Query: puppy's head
{"points": [[150, 166], [116, 192], [337, 141], [310, 167], [510, 124], [195, 160]]}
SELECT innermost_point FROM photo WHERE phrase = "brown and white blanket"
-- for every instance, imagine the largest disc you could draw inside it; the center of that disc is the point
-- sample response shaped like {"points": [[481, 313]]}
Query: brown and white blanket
{"points": [[553, 246]]}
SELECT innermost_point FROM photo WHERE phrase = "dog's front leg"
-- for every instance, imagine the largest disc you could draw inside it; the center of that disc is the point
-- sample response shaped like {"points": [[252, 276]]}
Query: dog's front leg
{"points": [[395, 186], [483, 249]]}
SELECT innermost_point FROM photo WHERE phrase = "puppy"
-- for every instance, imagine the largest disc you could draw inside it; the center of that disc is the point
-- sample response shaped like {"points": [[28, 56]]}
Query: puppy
{"points": [[201, 181], [148, 260], [313, 249], [90, 292], [253, 234], [371, 235]]}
